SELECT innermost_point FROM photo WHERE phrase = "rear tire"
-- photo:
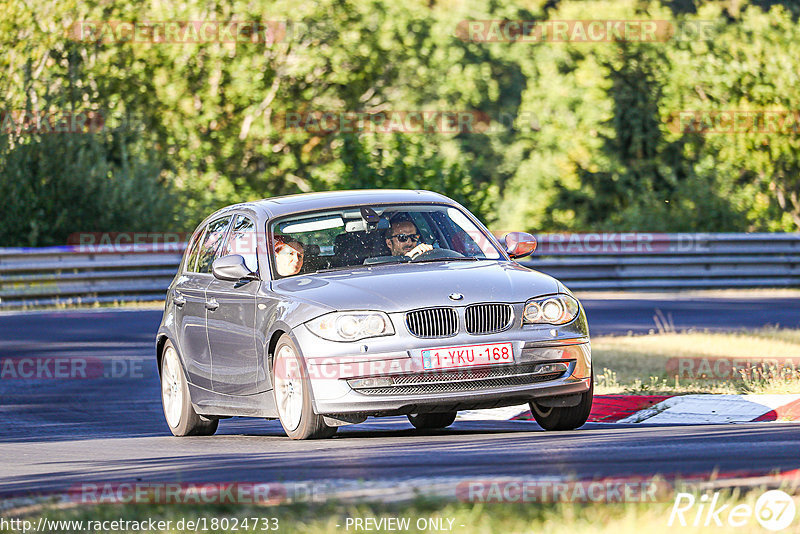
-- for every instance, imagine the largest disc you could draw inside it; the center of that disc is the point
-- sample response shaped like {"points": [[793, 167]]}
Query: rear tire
{"points": [[178, 411], [292, 392], [566, 418], [430, 421]]}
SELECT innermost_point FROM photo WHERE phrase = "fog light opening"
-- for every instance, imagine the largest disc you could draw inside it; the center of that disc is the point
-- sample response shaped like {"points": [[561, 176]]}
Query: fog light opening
{"points": [[372, 382], [549, 368]]}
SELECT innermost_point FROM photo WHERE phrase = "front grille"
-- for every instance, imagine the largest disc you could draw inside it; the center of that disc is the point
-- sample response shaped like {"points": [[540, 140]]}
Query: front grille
{"points": [[456, 380], [451, 375], [488, 318], [432, 322], [473, 385]]}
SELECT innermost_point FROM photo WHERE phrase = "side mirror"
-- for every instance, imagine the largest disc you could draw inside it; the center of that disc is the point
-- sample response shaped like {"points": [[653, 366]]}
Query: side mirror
{"points": [[232, 268], [519, 244]]}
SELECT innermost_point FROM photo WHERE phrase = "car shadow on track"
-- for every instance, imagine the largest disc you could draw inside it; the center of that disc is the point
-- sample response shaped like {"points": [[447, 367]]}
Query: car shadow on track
{"points": [[481, 450]]}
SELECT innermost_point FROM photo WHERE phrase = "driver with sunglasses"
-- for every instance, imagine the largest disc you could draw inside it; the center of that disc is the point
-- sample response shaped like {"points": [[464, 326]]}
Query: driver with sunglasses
{"points": [[402, 238]]}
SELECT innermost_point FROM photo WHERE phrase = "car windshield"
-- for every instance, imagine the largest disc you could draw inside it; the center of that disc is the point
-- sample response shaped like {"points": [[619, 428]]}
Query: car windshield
{"points": [[373, 235]]}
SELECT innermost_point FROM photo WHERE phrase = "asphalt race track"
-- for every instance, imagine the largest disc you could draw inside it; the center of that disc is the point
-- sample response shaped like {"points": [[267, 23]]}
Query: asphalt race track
{"points": [[60, 432]]}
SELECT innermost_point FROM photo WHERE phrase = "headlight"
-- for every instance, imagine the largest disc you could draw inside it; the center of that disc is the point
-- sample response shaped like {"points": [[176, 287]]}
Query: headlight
{"points": [[351, 326], [555, 309]]}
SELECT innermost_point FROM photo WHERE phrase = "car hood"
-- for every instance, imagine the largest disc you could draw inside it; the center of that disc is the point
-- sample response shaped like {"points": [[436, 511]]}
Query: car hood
{"points": [[398, 288]]}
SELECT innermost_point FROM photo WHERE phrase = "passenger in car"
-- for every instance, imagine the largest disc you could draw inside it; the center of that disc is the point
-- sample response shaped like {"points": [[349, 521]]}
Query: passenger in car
{"points": [[288, 255], [403, 238]]}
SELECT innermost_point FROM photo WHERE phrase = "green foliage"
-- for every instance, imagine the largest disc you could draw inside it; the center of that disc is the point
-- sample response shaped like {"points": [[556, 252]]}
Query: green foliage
{"points": [[581, 133], [55, 185], [406, 161], [607, 156]]}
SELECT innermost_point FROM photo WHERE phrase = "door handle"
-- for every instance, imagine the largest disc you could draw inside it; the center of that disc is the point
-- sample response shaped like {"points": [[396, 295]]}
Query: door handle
{"points": [[212, 304], [178, 299]]}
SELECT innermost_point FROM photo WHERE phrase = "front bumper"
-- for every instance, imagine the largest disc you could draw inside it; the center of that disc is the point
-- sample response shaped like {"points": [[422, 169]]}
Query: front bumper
{"points": [[331, 365]]}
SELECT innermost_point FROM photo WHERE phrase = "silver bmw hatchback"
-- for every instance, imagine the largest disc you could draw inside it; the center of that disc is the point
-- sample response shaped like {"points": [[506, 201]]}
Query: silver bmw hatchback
{"points": [[324, 309]]}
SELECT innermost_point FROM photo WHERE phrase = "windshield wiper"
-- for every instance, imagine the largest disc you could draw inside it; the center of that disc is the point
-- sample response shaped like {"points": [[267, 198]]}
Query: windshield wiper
{"points": [[383, 260], [449, 258], [332, 269]]}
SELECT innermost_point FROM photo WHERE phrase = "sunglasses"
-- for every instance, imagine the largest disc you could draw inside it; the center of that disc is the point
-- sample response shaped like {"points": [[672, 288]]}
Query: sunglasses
{"points": [[405, 237]]}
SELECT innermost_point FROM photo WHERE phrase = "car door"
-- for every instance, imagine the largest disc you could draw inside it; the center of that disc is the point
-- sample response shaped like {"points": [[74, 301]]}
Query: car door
{"points": [[231, 317], [188, 295], [191, 290]]}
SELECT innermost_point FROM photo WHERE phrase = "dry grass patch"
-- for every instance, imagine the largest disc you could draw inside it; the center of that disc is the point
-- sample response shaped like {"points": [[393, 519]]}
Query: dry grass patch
{"points": [[755, 361]]}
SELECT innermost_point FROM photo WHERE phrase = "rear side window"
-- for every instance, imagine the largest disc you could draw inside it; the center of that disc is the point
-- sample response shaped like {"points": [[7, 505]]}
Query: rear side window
{"points": [[194, 250], [211, 242], [242, 241]]}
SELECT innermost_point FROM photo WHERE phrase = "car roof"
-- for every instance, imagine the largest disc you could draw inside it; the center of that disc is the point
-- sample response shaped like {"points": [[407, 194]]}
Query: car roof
{"points": [[285, 205]]}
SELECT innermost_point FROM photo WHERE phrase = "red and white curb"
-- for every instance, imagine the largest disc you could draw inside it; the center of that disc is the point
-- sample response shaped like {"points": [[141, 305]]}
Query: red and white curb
{"points": [[666, 409]]}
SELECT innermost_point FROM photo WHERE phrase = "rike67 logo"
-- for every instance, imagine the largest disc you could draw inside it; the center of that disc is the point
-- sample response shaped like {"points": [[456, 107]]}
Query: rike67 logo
{"points": [[774, 510]]}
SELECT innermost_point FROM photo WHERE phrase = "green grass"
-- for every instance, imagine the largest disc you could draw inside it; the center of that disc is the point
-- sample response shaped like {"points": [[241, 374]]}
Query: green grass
{"points": [[465, 518], [641, 364]]}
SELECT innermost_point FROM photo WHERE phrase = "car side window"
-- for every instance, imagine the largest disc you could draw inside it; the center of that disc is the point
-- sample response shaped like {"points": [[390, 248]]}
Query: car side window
{"points": [[211, 243], [242, 241], [194, 250]]}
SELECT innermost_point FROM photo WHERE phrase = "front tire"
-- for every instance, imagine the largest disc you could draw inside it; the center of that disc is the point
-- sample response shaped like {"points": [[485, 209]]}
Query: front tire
{"points": [[292, 392], [566, 418], [431, 421], [178, 411]]}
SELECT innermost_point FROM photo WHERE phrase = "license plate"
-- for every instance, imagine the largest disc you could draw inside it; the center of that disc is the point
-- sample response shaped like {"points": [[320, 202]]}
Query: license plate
{"points": [[467, 356]]}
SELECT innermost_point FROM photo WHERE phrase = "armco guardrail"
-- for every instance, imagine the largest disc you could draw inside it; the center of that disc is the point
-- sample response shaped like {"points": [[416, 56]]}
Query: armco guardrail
{"points": [[669, 261], [71, 274]]}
